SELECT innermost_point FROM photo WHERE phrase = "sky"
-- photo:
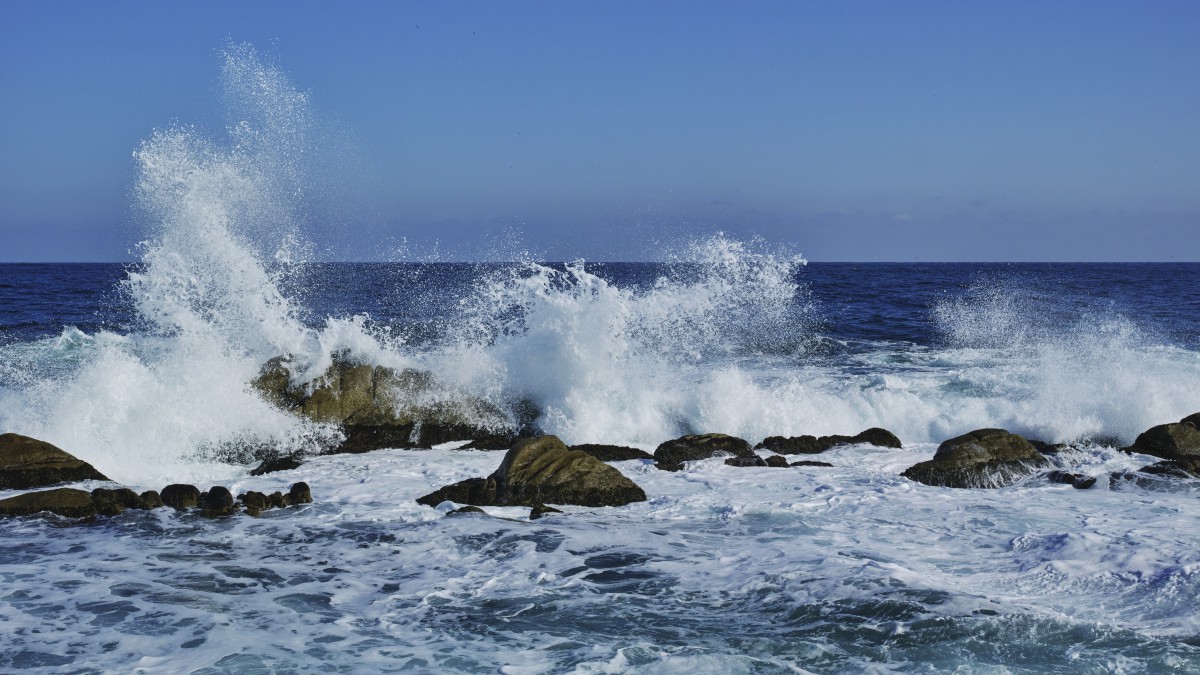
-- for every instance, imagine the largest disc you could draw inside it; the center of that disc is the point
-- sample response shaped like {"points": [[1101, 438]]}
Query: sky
{"points": [[850, 131]]}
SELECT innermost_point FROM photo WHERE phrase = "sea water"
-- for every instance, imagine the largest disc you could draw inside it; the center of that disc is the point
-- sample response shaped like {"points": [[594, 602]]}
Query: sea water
{"points": [[144, 371]]}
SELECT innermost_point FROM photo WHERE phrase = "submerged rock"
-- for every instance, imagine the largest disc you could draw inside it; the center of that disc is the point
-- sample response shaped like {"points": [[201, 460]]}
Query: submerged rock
{"points": [[670, 455], [809, 462], [984, 458], [66, 502], [811, 445], [612, 453], [543, 470], [27, 463], [1180, 440]]}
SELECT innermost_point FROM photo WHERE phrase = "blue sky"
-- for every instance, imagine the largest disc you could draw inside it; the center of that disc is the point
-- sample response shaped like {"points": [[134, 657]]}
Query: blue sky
{"points": [[608, 130]]}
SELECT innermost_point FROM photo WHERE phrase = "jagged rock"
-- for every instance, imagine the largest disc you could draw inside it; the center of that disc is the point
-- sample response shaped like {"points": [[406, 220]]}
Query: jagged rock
{"points": [[152, 499], [612, 453], [778, 461], [111, 502], [299, 494], [273, 464], [27, 463], [984, 458], [811, 445], [179, 496], [218, 501], [541, 511], [1077, 481], [66, 502], [543, 470], [745, 461], [809, 462], [379, 407], [1180, 440], [670, 455]]}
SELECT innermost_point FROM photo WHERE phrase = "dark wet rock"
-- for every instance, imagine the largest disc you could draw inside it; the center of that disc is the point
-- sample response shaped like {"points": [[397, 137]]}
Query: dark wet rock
{"points": [[745, 461], [612, 453], [273, 464], [491, 442], [466, 510], [110, 502], [380, 407], [1180, 440], [66, 502], [254, 500], [671, 455], [218, 501], [278, 500], [1178, 468], [1193, 419], [1075, 480], [541, 511], [778, 461], [152, 499], [811, 445], [299, 493], [1048, 448], [984, 458], [179, 496], [809, 462], [543, 470], [28, 463]]}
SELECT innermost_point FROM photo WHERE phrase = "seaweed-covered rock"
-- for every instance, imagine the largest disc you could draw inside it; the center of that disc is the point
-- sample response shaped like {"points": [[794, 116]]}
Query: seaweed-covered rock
{"points": [[180, 496], [110, 502], [1180, 440], [811, 445], [66, 502], [27, 463], [611, 453], [543, 470], [671, 455], [984, 458]]}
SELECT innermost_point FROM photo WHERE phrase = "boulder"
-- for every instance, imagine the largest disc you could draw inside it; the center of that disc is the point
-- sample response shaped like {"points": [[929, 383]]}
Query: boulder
{"points": [[670, 455], [778, 461], [543, 470], [62, 501], [218, 501], [811, 445], [111, 502], [278, 463], [299, 493], [277, 500], [254, 502], [27, 463], [612, 453], [1180, 440], [984, 458], [745, 461], [179, 496], [152, 499]]}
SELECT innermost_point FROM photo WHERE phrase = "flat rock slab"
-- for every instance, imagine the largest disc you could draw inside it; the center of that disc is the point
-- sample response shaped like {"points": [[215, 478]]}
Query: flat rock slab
{"points": [[28, 463]]}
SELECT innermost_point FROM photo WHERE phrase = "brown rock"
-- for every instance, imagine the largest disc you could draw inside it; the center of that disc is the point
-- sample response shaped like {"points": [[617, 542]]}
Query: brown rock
{"points": [[62, 501], [984, 458]]}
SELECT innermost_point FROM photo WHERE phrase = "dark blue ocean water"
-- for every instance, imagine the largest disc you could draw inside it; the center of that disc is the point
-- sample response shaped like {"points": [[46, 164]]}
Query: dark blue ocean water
{"points": [[850, 302]]}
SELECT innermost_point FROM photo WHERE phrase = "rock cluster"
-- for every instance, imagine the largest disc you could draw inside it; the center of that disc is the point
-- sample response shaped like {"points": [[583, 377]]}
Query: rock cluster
{"points": [[217, 501]]}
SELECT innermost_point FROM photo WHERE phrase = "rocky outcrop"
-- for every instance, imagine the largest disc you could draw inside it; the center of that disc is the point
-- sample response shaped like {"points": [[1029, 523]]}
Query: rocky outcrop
{"points": [[984, 458], [380, 407], [28, 463], [66, 502], [1178, 441], [811, 445], [543, 470], [612, 453], [670, 455]]}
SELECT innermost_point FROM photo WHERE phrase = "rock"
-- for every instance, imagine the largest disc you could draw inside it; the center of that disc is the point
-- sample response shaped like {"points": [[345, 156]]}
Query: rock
{"points": [[277, 500], [111, 502], [271, 465], [254, 500], [543, 470], [218, 501], [66, 502], [379, 407], [745, 461], [178, 496], [27, 463], [1193, 419], [671, 455], [1180, 440], [1181, 468], [778, 461], [491, 442], [809, 462], [811, 445], [152, 499], [1077, 481], [466, 510], [984, 458], [299, 494], [1047, 448], [541, 510], [612, 453]]}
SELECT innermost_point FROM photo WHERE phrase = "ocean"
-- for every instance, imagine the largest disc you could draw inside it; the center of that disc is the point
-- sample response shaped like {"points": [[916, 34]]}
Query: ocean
{"points": [[145, 371]]}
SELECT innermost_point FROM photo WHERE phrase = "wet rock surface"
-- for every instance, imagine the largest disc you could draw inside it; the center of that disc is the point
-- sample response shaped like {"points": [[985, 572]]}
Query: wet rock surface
{"points": [[612, 453], [670, 455], [984, 458], [67, 502], [811, 445], [1176, 441], [28, 463]]}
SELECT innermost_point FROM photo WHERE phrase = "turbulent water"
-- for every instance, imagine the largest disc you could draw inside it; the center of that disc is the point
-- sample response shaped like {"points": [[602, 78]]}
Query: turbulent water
{"points": [[145, 372]]}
